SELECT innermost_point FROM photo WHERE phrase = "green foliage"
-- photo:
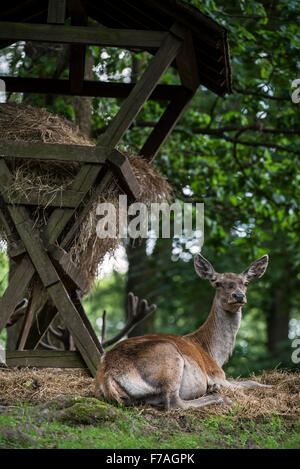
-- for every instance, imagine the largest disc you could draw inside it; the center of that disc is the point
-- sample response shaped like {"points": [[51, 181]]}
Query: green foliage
{"points": [[23, 427]]}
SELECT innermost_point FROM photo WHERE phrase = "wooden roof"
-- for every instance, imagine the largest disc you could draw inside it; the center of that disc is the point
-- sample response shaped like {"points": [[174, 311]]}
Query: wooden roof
{"points": [[210, 39]]}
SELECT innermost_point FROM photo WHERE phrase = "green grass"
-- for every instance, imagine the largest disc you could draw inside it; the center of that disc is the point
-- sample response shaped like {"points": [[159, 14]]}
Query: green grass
{"points": [[24, 426]]}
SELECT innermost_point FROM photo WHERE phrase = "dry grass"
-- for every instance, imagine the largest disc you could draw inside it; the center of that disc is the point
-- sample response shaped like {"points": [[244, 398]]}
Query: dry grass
{"points": [[40, 385], [28, 124]]}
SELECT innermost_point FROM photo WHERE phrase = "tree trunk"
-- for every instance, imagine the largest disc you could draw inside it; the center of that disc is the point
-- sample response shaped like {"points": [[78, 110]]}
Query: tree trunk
{"points": [[83, 105], [138, 277], [278, 320]]}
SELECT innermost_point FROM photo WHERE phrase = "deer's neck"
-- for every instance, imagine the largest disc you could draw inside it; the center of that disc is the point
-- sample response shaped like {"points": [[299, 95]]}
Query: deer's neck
{"points": [[218, 333]]}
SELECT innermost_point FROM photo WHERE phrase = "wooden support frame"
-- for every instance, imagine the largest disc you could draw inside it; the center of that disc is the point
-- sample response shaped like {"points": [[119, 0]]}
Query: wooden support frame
{"points": [[105, 37], [89, 88], [77, 52], [44, 358], [16, 290], [56, 11], [60, 280], [141, 91], [53, 151], [165, 125], [188, 71]]}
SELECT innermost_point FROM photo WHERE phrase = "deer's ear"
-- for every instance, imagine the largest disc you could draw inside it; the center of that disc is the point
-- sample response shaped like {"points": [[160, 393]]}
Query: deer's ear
{"points": [[257, 268], [204, 268]]}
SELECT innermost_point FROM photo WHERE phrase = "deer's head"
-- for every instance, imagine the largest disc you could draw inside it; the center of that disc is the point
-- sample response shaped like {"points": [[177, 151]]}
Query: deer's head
{"points": [[230, 288]]}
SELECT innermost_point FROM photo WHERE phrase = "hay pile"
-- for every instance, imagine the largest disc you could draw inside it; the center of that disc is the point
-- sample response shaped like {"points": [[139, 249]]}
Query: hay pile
{"points": [[29, 124], [40, 385]]}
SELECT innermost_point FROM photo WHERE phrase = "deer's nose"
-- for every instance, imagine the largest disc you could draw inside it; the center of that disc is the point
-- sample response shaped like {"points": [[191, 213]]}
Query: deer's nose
{"points": [[239, 297]]}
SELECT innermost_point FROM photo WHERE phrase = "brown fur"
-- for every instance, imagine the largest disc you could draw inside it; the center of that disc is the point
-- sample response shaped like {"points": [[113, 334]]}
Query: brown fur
{"points": [[173, 371]]}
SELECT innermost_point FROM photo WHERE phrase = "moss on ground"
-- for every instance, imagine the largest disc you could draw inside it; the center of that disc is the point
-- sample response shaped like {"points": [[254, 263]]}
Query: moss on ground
{"points": [[80, 422]]}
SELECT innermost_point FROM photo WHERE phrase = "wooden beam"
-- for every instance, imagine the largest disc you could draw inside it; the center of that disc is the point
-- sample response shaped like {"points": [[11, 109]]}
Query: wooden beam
{"points": [[165, 125], [123, 171], [60, 217], [44, 358], [187, 64], [56, 11], [89, 88], [53, 151], [105, 37], [68, 267], [16, 290], [64, 198], [68, 238], [34, 302], [77, 68], [77, 52], [141, 92]]}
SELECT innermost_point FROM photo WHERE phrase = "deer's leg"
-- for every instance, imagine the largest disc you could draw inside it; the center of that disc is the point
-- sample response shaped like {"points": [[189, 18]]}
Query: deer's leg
{"points": [[177, 402], [244, 384]]}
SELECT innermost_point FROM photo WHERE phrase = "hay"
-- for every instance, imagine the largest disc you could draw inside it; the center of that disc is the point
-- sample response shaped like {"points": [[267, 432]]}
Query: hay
{"points": [[29, 124], [40, 385]]}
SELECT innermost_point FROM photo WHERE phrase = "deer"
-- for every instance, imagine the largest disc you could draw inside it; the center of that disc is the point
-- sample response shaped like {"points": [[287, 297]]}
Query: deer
{"points": [[172, 371]]}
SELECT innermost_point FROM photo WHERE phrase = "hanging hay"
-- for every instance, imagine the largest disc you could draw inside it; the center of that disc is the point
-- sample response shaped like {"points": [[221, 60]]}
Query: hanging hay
{"points": [[28, 124]]}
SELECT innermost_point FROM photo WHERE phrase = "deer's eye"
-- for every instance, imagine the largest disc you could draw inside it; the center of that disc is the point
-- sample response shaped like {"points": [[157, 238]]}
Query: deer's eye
{"points": [[218, 284], [246, 284]]}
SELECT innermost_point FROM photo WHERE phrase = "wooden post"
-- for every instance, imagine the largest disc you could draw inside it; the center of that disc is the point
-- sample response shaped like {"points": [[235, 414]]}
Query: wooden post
{"points": [[16, 290], [141, 91], [166, 124]]}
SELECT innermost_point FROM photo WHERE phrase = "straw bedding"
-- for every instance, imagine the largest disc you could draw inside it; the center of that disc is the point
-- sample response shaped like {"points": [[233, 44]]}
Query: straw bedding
{"points": [[29, 124], [40, 385]]}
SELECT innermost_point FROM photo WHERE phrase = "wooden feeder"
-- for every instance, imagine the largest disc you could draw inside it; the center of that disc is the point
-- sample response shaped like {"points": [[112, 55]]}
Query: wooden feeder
{"points": [[176, 34]]}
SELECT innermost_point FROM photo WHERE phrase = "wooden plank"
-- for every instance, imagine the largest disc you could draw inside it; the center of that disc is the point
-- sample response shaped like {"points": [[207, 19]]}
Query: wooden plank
{"points": [[106, 178], [33, 245], [187, 64], [16, 290], [55, 288], [40, 324], [16, 250], [52, 151], [141, 92], [105, 37], [89, 88], [44, 358], [60, 217], [56, 11], [77, 52], [75, 296], [126, 177], [31, 309], [77, 67], [63, 198], [68, 267], [165, 125], [7, 224]]}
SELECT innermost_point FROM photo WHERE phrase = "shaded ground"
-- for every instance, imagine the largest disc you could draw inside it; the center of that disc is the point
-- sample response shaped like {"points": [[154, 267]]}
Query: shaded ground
{"points": [[55, 409]]}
